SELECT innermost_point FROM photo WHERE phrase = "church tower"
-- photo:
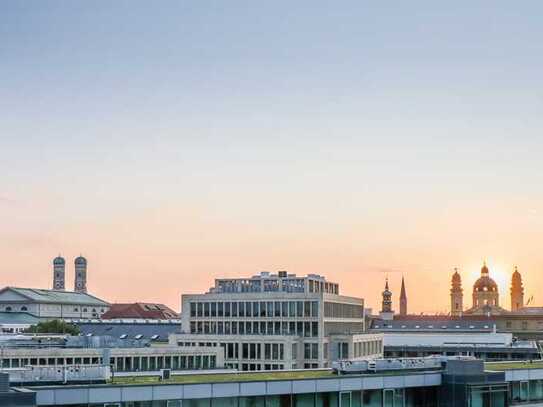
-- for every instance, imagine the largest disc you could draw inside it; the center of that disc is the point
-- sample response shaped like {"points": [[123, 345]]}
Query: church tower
{"points": [[387, 313], [403, 299], [59, 268], [80, 283], [457, 295], [517, 291]]}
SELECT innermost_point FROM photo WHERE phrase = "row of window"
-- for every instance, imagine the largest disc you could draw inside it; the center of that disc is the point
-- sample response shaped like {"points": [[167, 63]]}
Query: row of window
{"points": [[245, 350], [409, 397], [254, 309], [304, 329], [24, 308], [121, 364], [340, 310]]}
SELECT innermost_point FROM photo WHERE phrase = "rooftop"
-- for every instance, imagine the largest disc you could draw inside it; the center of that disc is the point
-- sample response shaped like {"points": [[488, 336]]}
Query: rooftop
{"points": [[228, 377], [501, 366], [140, 310], [56, 296]]}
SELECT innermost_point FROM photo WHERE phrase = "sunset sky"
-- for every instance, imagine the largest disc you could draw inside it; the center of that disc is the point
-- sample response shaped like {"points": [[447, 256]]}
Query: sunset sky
{"points": [[176, 142]]}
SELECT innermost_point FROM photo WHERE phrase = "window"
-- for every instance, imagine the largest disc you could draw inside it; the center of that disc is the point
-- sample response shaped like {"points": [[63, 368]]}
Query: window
{"points": [[192, 309], [241, 308], [277, 309], [206, 309], [23, 308], [299, 308], [234, 309], [213, 309], [256, 309], [220, 309], [307, 309], [284, 309], [291, 309]]}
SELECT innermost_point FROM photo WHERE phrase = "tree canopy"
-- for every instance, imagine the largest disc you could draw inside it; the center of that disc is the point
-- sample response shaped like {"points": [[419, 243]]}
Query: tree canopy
{"points": [[55, 326]]}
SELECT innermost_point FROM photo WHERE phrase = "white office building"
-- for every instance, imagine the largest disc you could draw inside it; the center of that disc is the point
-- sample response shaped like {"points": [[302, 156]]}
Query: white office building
{"points": [[277, 321]]}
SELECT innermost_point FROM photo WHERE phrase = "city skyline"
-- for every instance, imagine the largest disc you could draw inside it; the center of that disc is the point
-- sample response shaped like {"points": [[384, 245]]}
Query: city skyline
{"points": [[176, 143]]}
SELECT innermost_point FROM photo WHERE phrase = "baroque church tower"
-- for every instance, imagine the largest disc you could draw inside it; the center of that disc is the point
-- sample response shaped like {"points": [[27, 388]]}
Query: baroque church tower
{"points": [[517, 291], [457, 295], [387, 313]]}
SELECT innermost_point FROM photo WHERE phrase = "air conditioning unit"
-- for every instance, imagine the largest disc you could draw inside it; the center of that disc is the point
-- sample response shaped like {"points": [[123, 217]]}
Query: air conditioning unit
{"points": [[165, 374]]}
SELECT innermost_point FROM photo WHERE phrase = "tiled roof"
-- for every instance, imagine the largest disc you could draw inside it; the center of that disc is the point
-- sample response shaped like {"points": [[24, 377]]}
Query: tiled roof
{"points": [[56, 296], [140, 310]]}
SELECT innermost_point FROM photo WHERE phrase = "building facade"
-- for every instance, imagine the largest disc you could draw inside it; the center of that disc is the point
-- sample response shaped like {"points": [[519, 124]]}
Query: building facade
{"points": [[51, 303], [302, 314]]}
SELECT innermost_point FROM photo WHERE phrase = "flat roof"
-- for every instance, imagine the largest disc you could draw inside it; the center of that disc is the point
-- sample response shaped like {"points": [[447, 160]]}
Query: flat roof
{"points": [[513, 365], [227, 377]]}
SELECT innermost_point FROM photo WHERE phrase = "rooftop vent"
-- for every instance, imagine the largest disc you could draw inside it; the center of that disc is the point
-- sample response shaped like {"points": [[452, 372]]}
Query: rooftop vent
{"points": [[123, 336]]}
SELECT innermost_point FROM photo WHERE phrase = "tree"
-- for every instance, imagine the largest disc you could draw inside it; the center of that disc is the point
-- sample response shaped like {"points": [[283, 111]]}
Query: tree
{"points": [[55, 326]]}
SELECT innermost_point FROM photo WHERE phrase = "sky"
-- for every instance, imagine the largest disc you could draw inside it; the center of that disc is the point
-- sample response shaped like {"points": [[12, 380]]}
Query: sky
{"points": [[175, 142]]}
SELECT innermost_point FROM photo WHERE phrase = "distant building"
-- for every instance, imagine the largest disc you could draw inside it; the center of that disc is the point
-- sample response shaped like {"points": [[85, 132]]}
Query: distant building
{"points": [[51, 303], [141, 310], [277, 321], [16, 322], [457, 295], [80, 282], [59, 273], [387, 312], [403, 299]]}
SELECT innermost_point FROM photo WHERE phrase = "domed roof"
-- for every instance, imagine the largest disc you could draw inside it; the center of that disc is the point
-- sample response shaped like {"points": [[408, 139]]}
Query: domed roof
{"points": [[456, 277], [80, 260], [59, 260], [485, 283]]}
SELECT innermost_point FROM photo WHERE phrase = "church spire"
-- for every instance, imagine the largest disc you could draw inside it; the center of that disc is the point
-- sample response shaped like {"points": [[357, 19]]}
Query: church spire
{"points": [[403, 299]]}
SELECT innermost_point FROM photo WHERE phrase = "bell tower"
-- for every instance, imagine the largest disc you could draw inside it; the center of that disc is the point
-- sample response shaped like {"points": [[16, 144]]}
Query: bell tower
{"points": [[59, 272], [457, 295], [517, 291], [387, 313]]}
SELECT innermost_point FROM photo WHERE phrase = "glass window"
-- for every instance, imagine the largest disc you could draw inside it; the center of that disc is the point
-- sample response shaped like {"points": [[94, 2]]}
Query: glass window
{"points": [[256, 309], [314, 329], [307, 329], [307, 351], [291, 309], [200, 309], [307, 309], [241, 309], [220, 309], [248, 312], [263, 309], [192, 309], [206, 309], [299, 309], [314, 309], [284, 309], [269, 309], [253, 401], [277, 308], [234, 309], [227, 309], [213, 309]]}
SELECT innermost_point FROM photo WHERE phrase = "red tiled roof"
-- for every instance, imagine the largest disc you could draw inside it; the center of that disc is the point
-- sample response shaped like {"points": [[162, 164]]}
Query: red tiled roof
{"points": [[144, 310]]}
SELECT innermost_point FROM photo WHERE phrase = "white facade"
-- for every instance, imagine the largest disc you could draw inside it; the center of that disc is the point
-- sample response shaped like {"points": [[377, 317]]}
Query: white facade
{"points": [[302, 313], [51, 303]]}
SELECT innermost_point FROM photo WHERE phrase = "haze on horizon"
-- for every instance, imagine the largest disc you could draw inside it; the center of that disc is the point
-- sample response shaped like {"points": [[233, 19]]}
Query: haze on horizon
{"points": [[176, 142]]}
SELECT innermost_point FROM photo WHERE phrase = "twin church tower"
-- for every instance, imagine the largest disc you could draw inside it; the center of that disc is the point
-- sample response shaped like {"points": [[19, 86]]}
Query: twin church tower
{"points": [[59, 274]]}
